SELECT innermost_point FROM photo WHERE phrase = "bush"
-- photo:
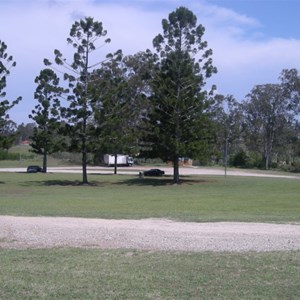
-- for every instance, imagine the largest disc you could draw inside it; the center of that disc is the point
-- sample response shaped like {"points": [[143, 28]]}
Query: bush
{"points": [[4, 155], [240, 159], [255, 161], [294, 167], [274, 165]]}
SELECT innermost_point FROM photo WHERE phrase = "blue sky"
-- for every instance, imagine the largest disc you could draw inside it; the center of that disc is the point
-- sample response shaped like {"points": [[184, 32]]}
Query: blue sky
{"points": [[252, 40], [277, 17]]}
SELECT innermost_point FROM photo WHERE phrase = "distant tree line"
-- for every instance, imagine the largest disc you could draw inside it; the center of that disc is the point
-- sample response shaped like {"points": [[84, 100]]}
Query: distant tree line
{"points": [[262, 131], [153, 104]]}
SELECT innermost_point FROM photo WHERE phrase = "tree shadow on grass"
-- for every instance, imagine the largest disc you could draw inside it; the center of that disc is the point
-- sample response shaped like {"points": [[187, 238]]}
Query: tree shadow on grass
{"points": [[166, 180], [52, 183], [161, 181], [74, 183]]}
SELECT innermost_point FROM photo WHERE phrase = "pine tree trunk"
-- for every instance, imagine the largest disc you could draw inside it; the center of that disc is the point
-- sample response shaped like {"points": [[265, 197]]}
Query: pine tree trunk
{"points": [[176, 170], [45, 162], [84, 169], [115, 164], [84, 163]]}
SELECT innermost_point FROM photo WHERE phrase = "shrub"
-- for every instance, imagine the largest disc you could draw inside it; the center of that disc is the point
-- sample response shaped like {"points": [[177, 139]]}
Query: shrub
{"points": [[240, 159], [4, 155], [294, 167]]}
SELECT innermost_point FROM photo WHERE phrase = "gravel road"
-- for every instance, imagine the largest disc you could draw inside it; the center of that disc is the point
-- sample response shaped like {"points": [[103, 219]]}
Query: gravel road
{"points": [[147, 234]]}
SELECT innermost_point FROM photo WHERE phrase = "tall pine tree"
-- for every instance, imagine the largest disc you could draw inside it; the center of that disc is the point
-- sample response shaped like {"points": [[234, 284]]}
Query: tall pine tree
{"points": [[83, 37], [179, 119], [46, 114], [7, 127]]}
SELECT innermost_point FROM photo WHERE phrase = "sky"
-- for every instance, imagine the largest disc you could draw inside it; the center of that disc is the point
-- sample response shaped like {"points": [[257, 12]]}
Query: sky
{"points": [[252, 40]]}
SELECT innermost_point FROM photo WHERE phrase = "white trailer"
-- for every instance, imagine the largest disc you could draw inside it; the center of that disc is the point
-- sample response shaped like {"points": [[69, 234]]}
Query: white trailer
{"points": [[122, 160]]}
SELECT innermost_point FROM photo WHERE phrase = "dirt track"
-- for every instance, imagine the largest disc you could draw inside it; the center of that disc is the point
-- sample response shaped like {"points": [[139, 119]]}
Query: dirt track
{"points": [[148, 234]]}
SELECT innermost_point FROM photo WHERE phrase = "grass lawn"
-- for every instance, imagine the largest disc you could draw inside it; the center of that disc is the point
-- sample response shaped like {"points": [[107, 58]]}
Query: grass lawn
{"points": [[128, 274], [200, 199], [26, 158], [123, 274]]}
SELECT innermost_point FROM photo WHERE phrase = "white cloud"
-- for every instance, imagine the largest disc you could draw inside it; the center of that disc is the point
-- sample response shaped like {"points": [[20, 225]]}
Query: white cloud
{"points": [[221, 16], [243, 56], [32, 30]]}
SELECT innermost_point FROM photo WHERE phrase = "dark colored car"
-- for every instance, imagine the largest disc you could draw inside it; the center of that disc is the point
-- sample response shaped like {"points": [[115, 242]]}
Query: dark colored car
{"points": [[154, 172], [34, 169]]}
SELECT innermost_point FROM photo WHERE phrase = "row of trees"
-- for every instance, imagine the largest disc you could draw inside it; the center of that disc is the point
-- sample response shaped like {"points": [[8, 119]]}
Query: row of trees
{"points": [[264, 128], [156, 104], [150, 103]]}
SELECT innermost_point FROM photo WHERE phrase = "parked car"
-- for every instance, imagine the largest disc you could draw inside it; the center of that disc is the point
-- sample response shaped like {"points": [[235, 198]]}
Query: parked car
{"points": [[34, 169], [154, 172]]}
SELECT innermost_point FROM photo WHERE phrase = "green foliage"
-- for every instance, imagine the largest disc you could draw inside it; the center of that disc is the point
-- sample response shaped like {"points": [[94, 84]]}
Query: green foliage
{"points": [[24, 132], [293, 167], [181, 126], [4, 155], [157, 104], [7, 127], [83, 37], [290, 82], [267, 111], [227, 116], [46, 139], [240, 159], [255, 160], [119, 102]]}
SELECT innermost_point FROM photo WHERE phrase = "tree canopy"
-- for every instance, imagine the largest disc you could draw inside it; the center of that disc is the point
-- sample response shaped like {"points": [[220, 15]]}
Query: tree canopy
{"points": [[83, 37], [153, 103], [46, 138], [180, 119], [7, 126], [120, 90], [268, 109]]}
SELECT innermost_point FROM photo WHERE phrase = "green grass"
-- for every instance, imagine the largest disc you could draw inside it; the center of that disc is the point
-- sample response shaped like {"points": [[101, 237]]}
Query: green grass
{"points": [[27, 157], [203, 198], [131, 274], [124, 274]]}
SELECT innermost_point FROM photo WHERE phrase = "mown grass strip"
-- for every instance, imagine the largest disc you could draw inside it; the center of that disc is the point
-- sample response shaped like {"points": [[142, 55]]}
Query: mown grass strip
{"points": [[124, 274], [200, 199]]}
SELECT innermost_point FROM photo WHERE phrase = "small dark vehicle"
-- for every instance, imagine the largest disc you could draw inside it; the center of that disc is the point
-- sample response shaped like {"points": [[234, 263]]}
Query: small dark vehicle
{"points": [[34, 169], [154, 172]]}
